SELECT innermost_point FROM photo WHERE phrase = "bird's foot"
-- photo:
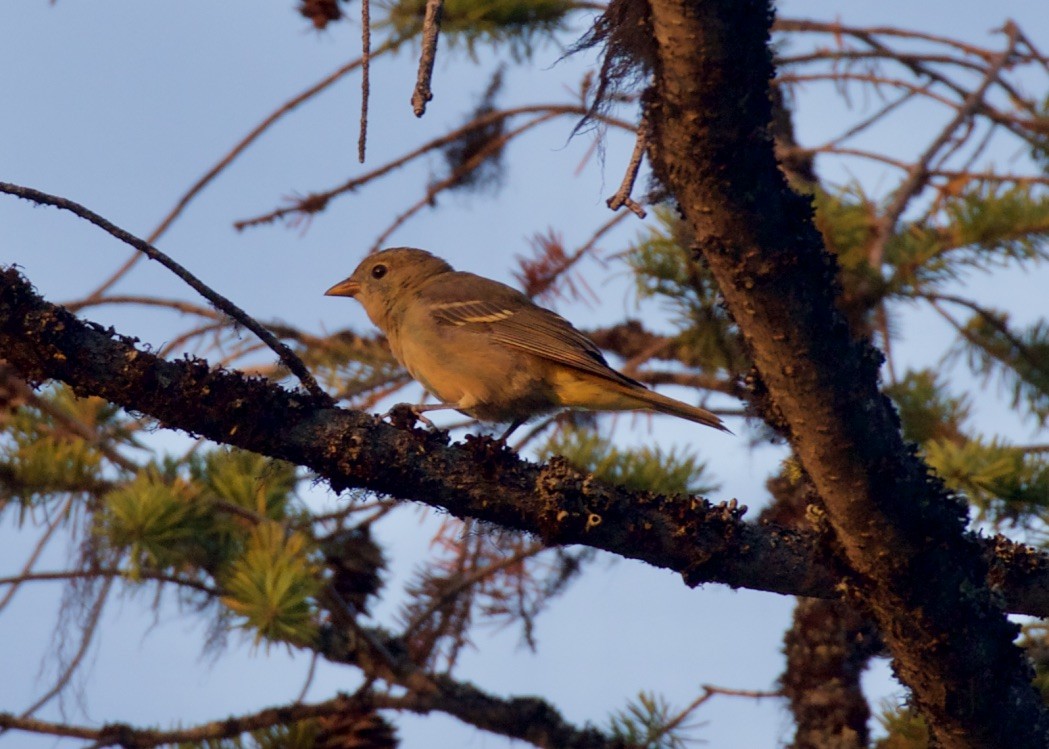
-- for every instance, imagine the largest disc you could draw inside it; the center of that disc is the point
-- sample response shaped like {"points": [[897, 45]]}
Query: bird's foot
{"points": [[510, 430], [405, 415]]}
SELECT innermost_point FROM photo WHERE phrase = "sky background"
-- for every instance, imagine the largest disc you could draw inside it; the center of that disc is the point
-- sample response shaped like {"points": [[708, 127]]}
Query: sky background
{"points": [[122, 105]]}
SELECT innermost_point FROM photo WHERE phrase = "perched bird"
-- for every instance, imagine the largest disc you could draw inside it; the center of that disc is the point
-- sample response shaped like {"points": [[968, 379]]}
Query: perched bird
{"points": [[487, 350]]}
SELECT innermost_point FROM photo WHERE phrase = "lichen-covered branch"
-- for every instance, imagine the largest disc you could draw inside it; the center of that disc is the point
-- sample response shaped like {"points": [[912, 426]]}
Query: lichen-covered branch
{"points": [[914, 566], [478, 479], [481, 478]]}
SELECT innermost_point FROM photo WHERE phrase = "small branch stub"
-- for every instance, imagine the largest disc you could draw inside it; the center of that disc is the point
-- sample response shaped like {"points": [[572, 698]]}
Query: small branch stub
{"points": [[431, 30], [622, 196]]}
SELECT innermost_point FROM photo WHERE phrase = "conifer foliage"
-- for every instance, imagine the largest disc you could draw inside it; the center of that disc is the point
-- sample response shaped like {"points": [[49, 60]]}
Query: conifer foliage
{"points": [[227, 523]]}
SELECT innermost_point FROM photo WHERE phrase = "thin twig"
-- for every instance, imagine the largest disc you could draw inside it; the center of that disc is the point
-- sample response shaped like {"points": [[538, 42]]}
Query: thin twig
{"points": [[366, 59], [239, 148], [317, 201], [882, 314], [38, 549], [755, 694], [836, 28], [462, 583], [918, 174], [178, 305], [314, 657], [472, 163], [918, 65], [128, 736], [951, 174], [871, 79], [92, 573], [431, 31], [707, 693], [86, 639], [874, 118], [988, 316], [286, 355], [622, 196]]}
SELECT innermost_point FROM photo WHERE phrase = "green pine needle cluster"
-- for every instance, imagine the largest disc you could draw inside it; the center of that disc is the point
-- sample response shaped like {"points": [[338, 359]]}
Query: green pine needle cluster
{"points": [[669, 472], [519, 23], [42, 454], [220, 519], [1020, 358], [650, 723], [927, 410], [163, 523], [247, 480], [982, 228], [847, 220], [274, 584], [1003, 482], [663, 270]]}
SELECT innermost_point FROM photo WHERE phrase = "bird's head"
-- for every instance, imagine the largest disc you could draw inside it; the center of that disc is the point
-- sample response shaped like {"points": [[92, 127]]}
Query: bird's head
{"points": [[387, 280]]}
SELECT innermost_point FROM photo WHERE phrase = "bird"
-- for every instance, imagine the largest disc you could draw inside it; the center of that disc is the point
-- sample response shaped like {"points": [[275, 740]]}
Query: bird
{"points": [[487, 350]]}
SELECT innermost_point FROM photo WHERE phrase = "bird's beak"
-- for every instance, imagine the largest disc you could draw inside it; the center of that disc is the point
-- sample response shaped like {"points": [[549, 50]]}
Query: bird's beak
{"points": [[349, 287]]}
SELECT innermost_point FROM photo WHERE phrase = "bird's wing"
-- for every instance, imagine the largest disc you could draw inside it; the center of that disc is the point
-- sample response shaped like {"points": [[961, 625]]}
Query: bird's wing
{"points": [[510, 318]]}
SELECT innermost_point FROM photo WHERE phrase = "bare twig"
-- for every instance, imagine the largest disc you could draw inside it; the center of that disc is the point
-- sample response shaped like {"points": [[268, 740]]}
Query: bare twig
{"points": [[431, 31], [756, 694], [837, 28], [119, 734], [317, 201], [178, 305], [988, 316], [472, 163], [918, 174], [466, 581], [86, 638], [38, 549], [312, 671], [366, 58], [239, 148], [950, 174], [688, 379], [286, 355], [95, 572], [622, 196]]}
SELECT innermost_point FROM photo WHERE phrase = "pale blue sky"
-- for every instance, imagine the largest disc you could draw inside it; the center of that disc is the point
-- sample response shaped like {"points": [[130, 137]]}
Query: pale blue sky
{"points": [[121, 105]]}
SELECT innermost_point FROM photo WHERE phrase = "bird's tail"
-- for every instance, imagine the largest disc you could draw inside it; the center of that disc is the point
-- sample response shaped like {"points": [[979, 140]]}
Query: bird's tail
{"points": [[663, 404], [583, 390]]}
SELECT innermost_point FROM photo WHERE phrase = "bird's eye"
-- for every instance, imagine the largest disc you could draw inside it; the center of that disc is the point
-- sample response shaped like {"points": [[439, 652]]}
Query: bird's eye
{"points": [[379, 271]]}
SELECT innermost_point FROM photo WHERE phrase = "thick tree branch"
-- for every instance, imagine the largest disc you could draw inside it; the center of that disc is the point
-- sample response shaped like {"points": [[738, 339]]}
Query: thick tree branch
{"points": [[915, 567], [477, 479], [827, 649]]}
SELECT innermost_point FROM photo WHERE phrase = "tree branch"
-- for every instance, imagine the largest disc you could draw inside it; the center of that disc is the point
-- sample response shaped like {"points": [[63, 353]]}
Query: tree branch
{"points": [[914, 566], [286, 355], [477, 479]]}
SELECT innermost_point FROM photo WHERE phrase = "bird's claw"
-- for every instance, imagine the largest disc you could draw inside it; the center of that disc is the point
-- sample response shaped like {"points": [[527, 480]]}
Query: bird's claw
{"points": [[404, 416]]}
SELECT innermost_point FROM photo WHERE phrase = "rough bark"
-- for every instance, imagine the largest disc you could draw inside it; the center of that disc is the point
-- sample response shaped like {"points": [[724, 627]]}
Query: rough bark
{"points": [[827, 648], [704, 542], [480, 478], [913, 564]]}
